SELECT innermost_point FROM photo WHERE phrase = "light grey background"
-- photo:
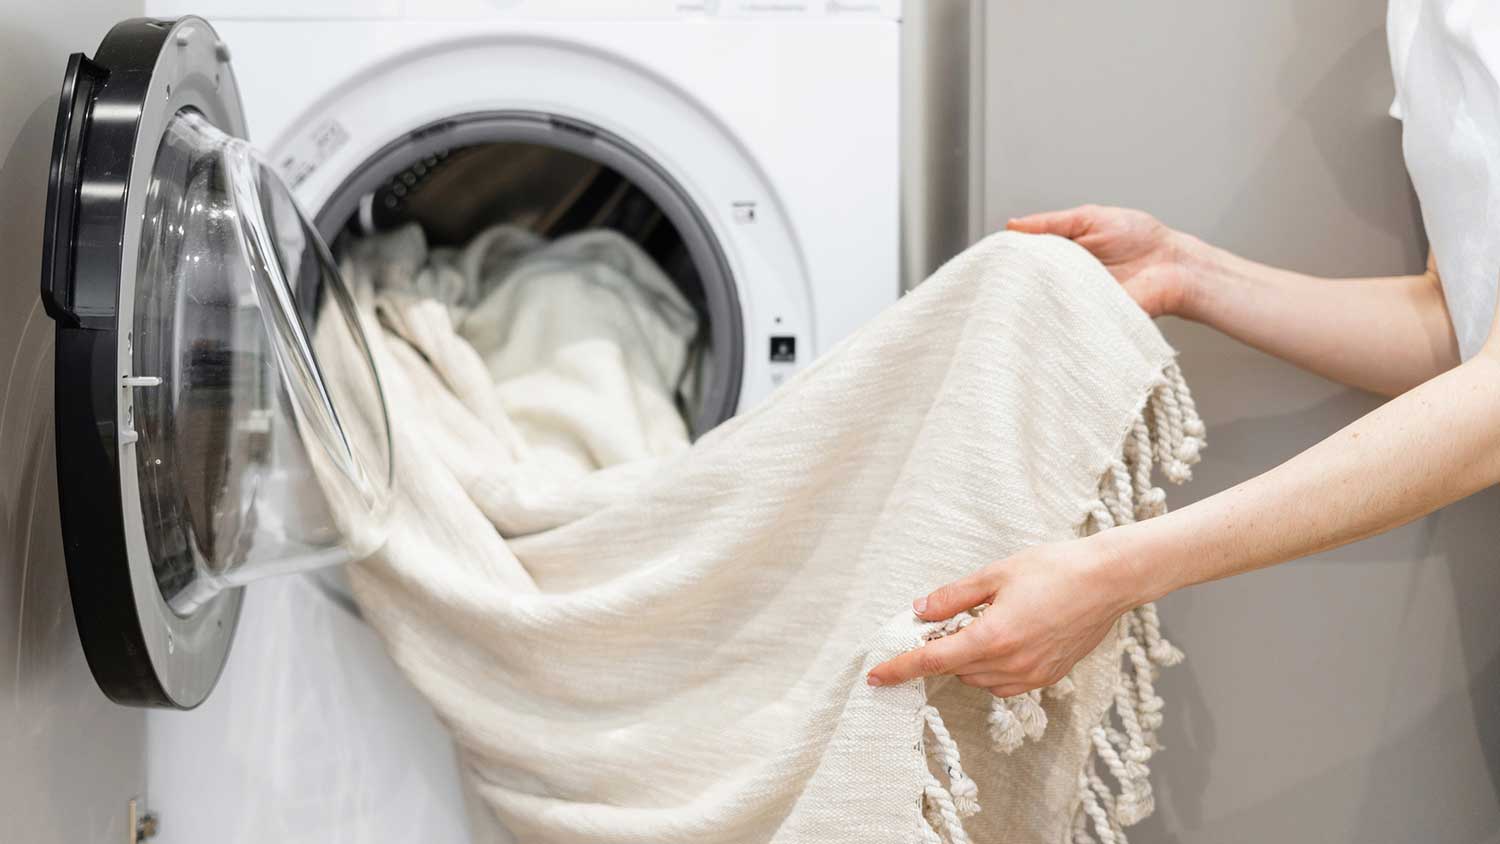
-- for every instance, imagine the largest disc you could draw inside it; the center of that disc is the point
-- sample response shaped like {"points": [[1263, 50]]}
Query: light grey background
{"points": [[1351, 696], [69, 759]]}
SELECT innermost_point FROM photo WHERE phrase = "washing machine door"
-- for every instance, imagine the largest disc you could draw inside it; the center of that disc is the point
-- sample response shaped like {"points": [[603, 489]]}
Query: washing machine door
{"points": [[201, 443]]}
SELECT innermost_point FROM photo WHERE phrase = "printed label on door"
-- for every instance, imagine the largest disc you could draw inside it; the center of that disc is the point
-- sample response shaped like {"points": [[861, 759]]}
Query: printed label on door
{"points": [[309, 151]]}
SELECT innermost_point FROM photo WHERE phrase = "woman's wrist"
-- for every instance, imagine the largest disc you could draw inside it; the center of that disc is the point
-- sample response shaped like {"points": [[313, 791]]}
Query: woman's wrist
{"points": [[1201, 268], [1130, 564]]}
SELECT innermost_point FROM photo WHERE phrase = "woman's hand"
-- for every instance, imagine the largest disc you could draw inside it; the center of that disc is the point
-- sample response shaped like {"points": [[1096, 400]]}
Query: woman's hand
{"points": [[1385, 335], [1050, 606], [1150, 260]]}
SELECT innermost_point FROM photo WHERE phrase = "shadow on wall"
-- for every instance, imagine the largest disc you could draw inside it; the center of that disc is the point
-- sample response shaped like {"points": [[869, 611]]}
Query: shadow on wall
{"points": [[1406, 751], [1337, 120], [1465, 535], [76, 757], [1353, 695], [1436, 711], [1341, 107]]}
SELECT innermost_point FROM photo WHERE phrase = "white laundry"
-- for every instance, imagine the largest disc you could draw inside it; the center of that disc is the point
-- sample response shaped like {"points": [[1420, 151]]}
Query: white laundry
{"points": [[584, 341], [672, 648]]}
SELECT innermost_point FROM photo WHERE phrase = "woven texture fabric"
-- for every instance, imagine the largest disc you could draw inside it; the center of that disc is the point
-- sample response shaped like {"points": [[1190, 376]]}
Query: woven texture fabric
{"points": [[673, 648]]}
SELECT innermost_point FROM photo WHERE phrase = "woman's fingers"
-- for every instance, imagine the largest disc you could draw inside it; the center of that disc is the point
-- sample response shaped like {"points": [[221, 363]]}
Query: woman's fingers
{"points": [[1071, 223], [943, 655], [1050, 606], [947, 601], [939, 656]]}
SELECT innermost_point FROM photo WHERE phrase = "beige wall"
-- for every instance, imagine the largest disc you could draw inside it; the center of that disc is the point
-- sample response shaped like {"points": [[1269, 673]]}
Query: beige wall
{"points": [[1351, 696], [69, 759]]}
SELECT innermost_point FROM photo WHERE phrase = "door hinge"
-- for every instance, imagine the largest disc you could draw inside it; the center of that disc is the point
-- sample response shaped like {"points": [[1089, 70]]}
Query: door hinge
{"points": [[142, 823]]}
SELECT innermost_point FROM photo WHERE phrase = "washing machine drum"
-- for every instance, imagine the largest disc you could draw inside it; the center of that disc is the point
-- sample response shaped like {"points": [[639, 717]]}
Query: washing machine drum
{"points": [[198, 445]]}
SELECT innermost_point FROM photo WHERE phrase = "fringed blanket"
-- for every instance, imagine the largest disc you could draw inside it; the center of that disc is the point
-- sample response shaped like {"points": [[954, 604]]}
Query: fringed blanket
{"points": [[673, 648]]}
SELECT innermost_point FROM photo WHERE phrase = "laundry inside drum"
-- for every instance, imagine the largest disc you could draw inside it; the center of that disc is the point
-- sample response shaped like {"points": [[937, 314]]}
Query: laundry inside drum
{"points": [[486, 225], [487, 210]]}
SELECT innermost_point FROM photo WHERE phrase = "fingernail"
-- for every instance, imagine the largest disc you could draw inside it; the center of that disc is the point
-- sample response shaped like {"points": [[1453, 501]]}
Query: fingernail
{"points": [[920, 605], [872, 680]]}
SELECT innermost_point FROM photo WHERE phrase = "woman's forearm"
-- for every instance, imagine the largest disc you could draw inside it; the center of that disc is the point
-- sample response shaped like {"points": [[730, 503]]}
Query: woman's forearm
{"points": [[1437, 441], [1433, 445], [1385, 335], [1052, 604]]}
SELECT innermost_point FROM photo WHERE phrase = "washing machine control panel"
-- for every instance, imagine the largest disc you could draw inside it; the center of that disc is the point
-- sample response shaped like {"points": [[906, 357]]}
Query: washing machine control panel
{"points": [[783, 348]]}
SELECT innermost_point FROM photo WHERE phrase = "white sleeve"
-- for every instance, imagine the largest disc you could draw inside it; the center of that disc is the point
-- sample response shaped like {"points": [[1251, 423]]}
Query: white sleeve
{"points": [[1401, 18]]}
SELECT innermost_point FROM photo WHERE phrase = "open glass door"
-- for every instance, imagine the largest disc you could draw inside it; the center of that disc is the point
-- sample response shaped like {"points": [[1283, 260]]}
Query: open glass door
{"points": [[199, 445]]}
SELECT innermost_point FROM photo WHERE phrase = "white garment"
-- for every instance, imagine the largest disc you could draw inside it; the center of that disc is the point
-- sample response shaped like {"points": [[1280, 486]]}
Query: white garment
{"points": [[585, 341], [1445, 56], [673, 649]]}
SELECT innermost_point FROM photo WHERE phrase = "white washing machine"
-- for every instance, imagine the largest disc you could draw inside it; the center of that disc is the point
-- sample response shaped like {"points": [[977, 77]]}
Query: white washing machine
{"points": [[771, 130], [753, 147]]}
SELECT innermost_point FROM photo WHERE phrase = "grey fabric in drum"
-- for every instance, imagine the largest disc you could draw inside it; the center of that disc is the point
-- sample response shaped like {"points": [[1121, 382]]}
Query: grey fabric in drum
{"points": [[669, 644]]}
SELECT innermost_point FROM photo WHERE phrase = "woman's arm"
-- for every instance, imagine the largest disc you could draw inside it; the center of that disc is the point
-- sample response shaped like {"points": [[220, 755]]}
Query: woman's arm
{"points": [[1385, 335], [1052, 604], [1429, 447]]}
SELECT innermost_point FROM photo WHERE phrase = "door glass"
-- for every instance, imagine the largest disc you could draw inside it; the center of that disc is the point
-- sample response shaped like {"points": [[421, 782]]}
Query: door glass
{"points": [[250, 462]]}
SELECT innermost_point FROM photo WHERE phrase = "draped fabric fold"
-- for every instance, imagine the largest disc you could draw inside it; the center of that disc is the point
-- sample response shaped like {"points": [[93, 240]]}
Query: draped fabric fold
{"points": [[668, 643]]}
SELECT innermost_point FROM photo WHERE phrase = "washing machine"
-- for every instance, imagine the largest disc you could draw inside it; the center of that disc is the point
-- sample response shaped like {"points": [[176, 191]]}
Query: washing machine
{"points": [[753, 148]]}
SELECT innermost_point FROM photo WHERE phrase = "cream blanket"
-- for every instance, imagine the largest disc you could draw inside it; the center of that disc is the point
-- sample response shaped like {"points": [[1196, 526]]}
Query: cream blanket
{"points": [[652, 643]]}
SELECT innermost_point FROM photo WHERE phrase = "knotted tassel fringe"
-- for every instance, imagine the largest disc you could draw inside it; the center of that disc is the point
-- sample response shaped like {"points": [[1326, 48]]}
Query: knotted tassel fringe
{"points": [[1167, 434]]}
